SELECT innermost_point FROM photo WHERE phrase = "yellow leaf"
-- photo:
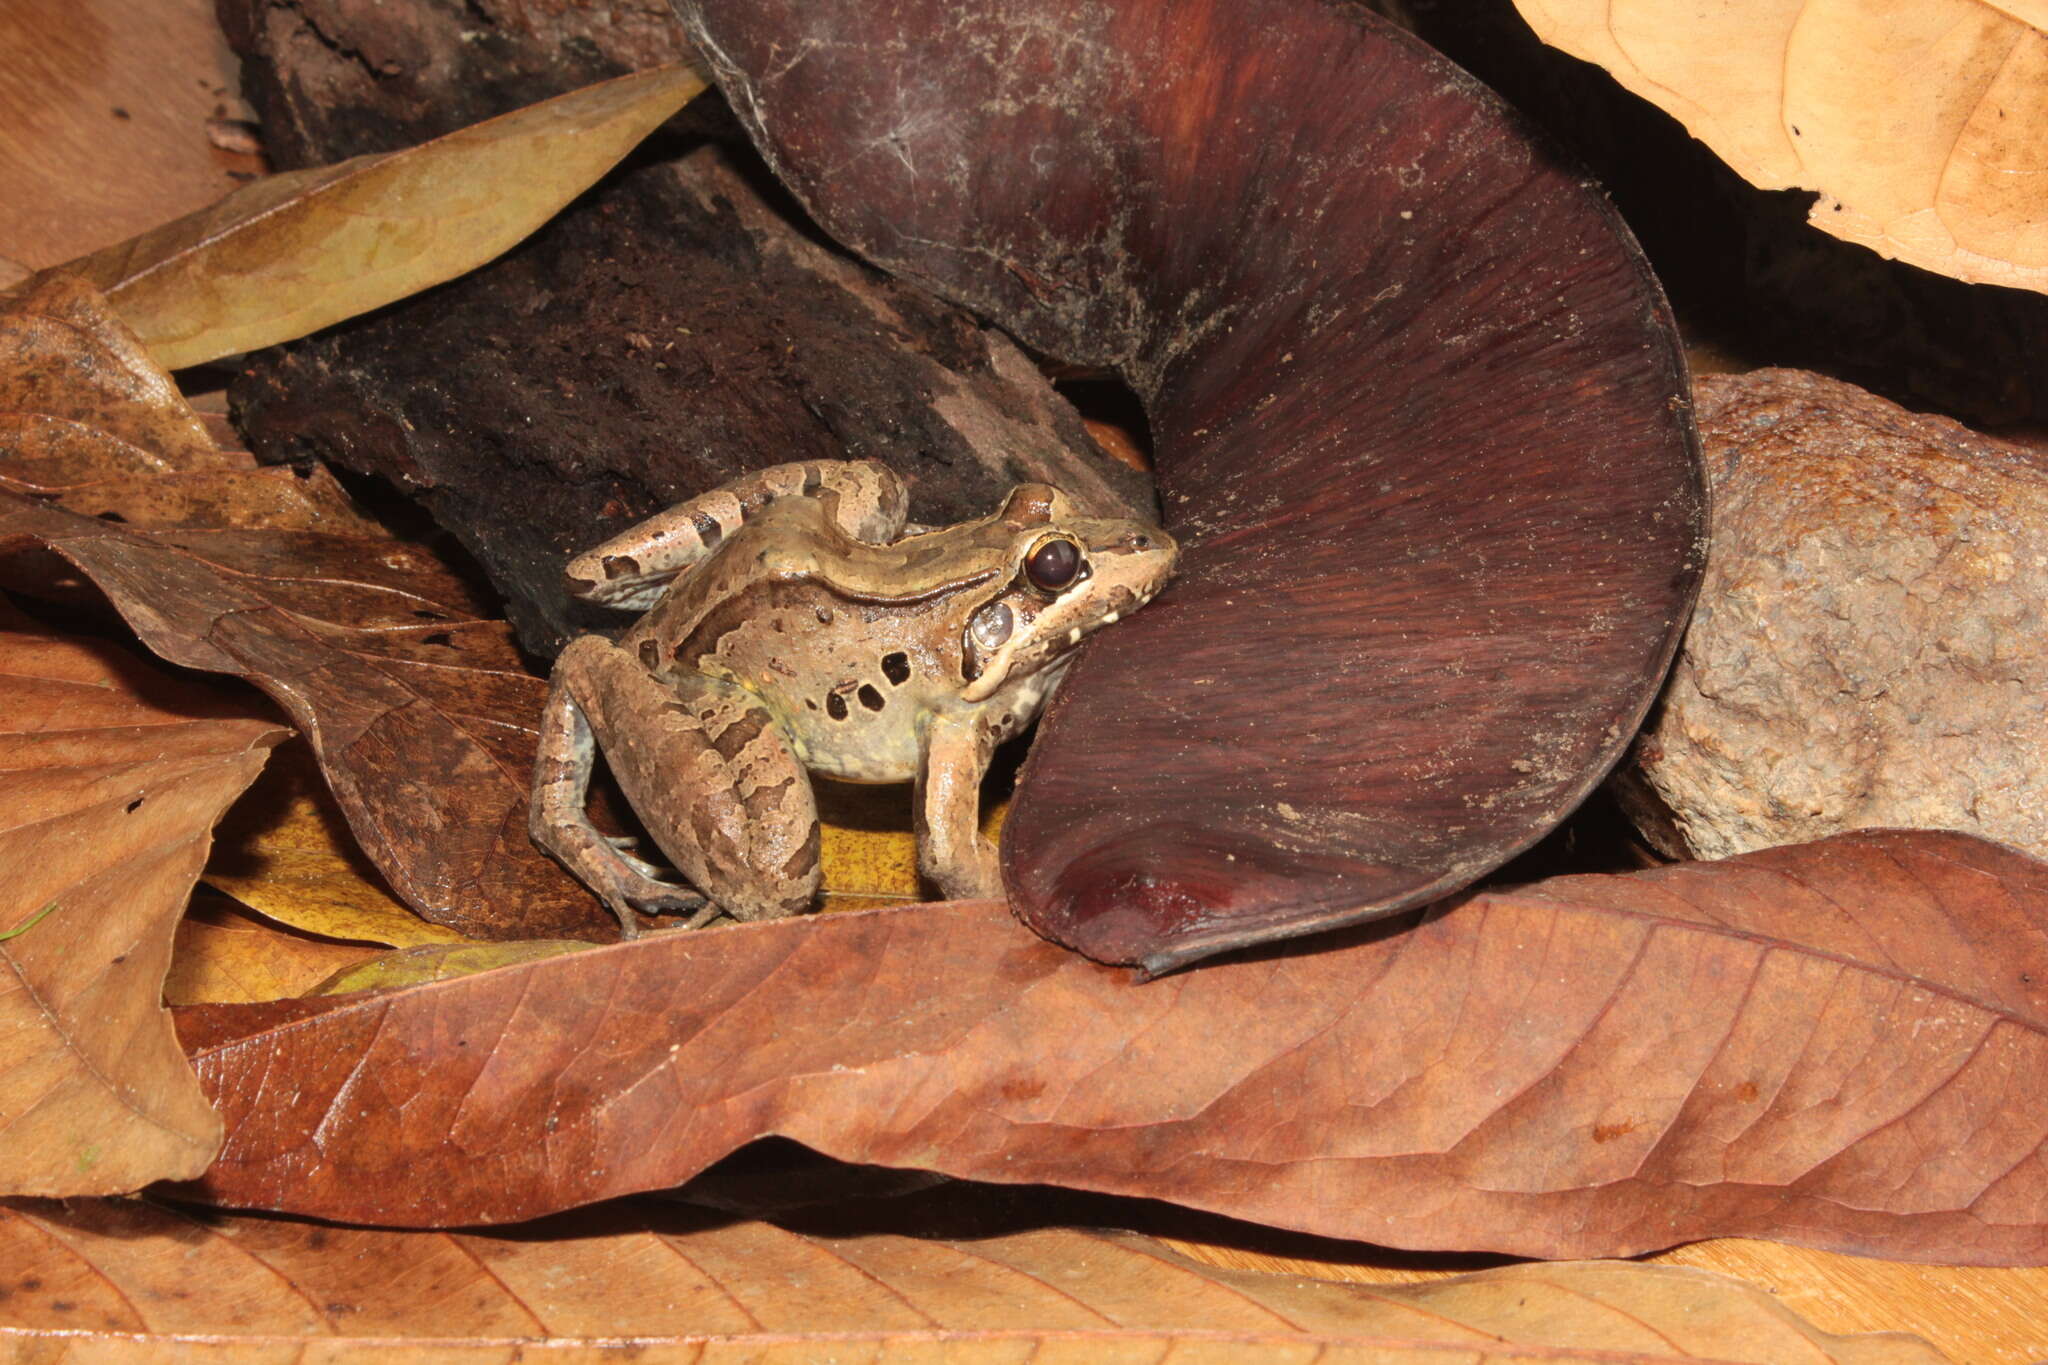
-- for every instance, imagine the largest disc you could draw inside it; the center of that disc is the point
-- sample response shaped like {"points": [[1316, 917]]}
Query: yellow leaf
{"points": [[867, 847], [221, 957], [285, 851], [294, 253]]}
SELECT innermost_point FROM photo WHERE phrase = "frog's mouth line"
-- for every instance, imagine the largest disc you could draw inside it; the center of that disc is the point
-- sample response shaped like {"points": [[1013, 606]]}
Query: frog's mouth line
{"points": [[1023, 657]]}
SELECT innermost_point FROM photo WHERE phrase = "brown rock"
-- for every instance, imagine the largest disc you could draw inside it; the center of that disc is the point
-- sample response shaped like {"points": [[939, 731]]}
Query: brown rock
{"points": [[1871, 643]]}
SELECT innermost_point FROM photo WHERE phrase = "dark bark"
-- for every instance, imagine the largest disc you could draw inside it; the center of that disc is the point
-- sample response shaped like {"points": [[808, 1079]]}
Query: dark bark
{"points": [[673, 329]]}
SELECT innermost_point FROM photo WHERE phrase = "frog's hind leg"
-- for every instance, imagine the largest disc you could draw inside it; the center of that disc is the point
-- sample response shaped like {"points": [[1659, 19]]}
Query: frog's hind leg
{"points": [[632, 569], [709, 772]]}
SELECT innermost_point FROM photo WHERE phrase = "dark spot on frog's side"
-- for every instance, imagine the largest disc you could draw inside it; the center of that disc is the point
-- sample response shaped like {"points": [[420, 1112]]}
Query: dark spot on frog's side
{"points": [[835, 705], [871, 698], [896, 668]]}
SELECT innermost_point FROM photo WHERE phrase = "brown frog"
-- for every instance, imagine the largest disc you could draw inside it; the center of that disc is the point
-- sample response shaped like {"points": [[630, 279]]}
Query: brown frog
{"points": [[793, 625]]}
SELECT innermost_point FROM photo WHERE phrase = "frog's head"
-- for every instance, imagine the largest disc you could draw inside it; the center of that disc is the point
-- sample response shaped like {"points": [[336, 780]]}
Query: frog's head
{"points": [[1069, 575]]}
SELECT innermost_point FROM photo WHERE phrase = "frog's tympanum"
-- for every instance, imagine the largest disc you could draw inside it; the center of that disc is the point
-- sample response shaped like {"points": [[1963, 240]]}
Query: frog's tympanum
{"points": [[791, 625]]}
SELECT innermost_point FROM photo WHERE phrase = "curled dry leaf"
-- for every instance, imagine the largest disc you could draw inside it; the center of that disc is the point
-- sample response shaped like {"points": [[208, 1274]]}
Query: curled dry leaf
{"points": [[1418, 409], [113, 1279], [111, 776], [293, 253], [1838, 1044], [419, 707], [1918, 124]]}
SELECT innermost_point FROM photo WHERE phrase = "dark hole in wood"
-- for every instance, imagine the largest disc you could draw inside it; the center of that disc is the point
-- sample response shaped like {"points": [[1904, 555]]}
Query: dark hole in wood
{"points": [[1106, 399], [114, 517], [136, 804]]}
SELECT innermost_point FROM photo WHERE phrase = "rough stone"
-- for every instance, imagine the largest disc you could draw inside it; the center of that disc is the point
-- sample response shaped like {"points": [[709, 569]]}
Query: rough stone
{"points": [[1871, 642]]}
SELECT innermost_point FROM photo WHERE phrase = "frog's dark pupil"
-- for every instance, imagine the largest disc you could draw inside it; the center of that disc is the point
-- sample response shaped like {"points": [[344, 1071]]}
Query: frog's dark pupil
{"points": [[1052, 566]]}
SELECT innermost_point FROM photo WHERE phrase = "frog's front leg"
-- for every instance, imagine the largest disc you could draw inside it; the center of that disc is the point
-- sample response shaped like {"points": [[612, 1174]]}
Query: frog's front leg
{"points": [[705, 767], [951, 853]]}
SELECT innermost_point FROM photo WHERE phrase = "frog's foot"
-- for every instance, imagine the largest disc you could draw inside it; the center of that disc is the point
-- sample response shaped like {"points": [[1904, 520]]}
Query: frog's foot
{"points": [[973, 875], [650, 889], [623, 844], [631, 893]]}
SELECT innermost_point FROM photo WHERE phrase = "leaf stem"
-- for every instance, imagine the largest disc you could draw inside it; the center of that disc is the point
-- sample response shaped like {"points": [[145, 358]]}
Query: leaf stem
{"points": [[31, 922]]}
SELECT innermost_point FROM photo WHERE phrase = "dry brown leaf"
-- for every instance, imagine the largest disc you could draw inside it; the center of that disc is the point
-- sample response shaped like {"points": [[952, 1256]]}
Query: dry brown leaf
{"points": [[1919, 124], [103, 106], [1836, 1044], [221, 957], [421, 710], [114, 1281], [111, 776], [285, 850], [293, 253]]}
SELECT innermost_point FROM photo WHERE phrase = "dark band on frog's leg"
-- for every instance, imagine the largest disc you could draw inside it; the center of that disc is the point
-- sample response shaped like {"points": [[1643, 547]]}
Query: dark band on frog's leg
{"points": [[632, 569]]}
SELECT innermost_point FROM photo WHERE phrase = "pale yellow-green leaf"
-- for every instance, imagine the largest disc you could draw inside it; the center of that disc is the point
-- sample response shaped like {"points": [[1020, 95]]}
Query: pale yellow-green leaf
{"points": [[293, 253], [1921, 125], [439, 962]]}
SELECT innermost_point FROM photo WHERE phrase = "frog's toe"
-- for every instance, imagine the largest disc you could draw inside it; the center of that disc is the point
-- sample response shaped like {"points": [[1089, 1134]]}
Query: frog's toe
{"points": [[653, 872], [666, 898]]}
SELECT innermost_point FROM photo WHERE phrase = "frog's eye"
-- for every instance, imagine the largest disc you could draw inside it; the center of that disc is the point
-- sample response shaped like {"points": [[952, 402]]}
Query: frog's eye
{"points": [[1054, 565]]}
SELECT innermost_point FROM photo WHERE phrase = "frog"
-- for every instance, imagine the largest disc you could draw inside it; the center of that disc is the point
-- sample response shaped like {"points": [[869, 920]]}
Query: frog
{"points": [[796, 623]]}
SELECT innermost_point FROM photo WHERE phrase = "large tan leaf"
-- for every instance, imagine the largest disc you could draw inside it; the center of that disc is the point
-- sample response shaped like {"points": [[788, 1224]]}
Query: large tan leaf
{"points": [[1842, 1044], [1924, 126], [294, 253], [113, 1282], [111, 776]]}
